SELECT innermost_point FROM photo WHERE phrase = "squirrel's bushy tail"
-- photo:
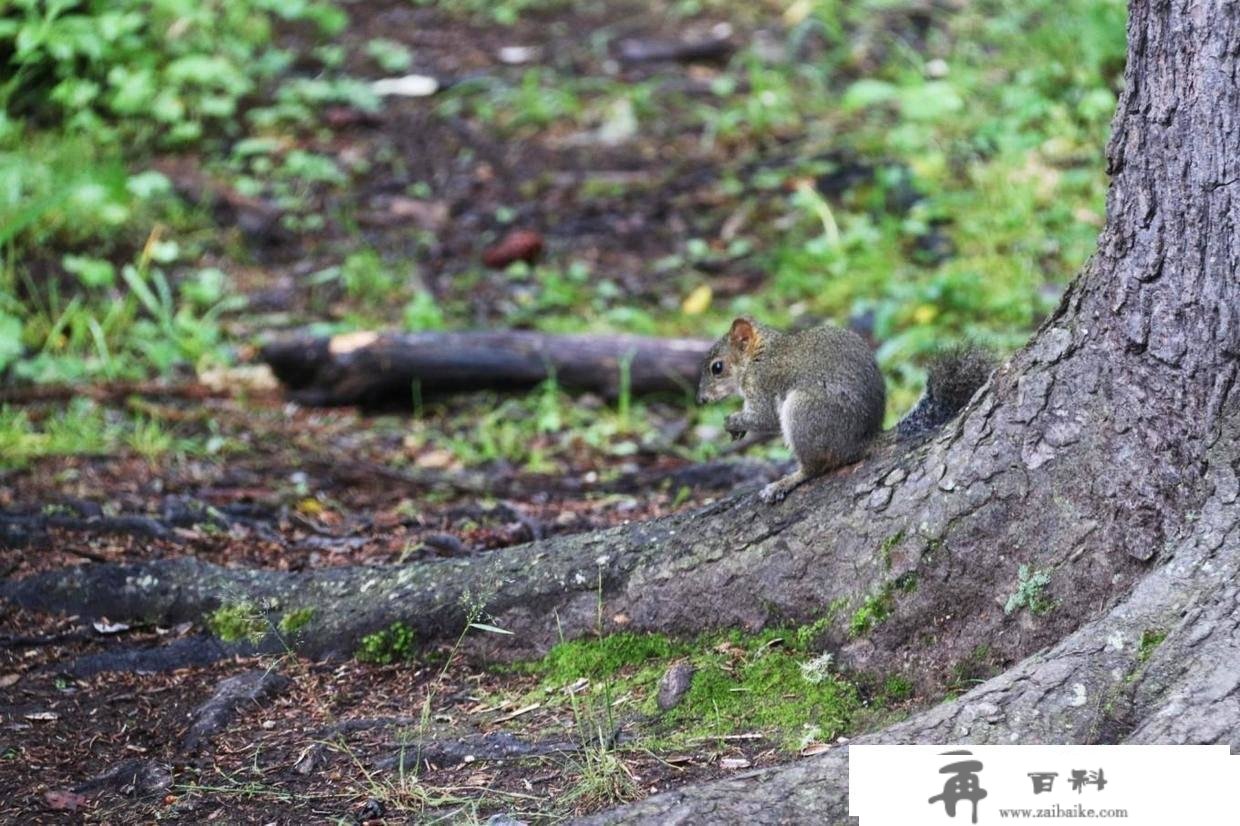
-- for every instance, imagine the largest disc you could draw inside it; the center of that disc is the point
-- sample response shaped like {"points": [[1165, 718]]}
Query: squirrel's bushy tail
{"points": [[955, 374]]}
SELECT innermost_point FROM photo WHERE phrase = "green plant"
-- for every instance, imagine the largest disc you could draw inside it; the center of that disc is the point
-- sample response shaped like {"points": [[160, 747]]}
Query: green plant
{"points": [[294, 621], [1030, 592], [391, 55], [146, 70], [878, 606], [388, 645], [236, 621], [1151, 638]]}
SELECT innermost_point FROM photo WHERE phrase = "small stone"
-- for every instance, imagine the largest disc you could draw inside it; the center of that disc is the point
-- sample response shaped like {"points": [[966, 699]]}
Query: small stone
{"points": [[516, 55], [444, 543], [409, 86], [673, 685]]}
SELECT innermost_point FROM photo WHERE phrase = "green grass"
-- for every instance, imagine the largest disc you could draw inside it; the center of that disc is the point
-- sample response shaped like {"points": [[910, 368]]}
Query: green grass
{"points": [[984, 141], [979, 141], [85, 428]]}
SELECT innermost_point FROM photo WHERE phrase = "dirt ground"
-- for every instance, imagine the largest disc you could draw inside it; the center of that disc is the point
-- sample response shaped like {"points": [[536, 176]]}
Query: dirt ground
{"points": [[97, 720]]}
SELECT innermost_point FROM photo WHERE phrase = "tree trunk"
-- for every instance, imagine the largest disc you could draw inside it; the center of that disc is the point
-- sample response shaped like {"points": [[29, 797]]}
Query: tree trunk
{"points": [[1105, 454]]}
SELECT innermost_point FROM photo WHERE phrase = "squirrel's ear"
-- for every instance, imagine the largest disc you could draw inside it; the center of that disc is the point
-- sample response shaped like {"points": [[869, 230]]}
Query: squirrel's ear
{"points": [[742, 335]]}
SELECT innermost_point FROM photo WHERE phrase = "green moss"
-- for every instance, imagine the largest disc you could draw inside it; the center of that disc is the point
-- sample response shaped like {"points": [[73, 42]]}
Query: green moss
{"points": [[764, 690], [294, 621], [884, 550], [604, 657], [237, 621], [390, 645], [1151, 638], [879, 605], [742, 682], [973, 670], [896, 689]]}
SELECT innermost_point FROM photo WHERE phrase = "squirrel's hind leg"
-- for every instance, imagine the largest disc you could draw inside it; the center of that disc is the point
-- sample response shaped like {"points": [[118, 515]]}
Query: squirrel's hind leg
{"points": [[822, 432], [777, 490]]}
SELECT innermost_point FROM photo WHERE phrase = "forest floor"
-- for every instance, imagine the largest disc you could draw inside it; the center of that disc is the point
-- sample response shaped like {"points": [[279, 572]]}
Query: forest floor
{"points": [[668, 190]]}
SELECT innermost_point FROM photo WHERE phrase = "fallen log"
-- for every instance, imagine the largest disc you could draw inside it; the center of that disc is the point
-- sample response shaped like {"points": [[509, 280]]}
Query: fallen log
{"points": [[373, 368]]}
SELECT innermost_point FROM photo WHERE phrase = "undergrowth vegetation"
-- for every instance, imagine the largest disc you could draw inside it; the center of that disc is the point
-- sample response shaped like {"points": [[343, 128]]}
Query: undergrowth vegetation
{"points": [[776, 684], [180, 179], [929, 177]]}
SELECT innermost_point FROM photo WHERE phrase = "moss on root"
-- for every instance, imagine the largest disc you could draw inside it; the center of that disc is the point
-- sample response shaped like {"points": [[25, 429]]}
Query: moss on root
{"points": [[777, 683], [237, 621]]}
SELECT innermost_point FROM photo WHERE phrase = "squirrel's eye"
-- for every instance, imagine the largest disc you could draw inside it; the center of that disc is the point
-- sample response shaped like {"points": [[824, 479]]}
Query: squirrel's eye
{"points": [[717, 367]]}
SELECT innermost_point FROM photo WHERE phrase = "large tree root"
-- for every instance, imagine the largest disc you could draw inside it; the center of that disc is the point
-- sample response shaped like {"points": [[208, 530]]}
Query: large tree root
{"points": [[1109, 682]]}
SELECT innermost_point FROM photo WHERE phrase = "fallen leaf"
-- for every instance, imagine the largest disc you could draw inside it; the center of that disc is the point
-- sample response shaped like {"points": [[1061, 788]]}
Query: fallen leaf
{"points": [[63, 800], [436, 460], [734, 763], [310, 507], [697, 301], [815, 748], [518, 245], [7, 680]]}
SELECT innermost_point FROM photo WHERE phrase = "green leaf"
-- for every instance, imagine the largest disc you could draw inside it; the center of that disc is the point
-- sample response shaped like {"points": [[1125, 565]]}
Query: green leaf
{"points": [[868, 92], [482, 626], [931, 101], [92, 272], [10, 339]]}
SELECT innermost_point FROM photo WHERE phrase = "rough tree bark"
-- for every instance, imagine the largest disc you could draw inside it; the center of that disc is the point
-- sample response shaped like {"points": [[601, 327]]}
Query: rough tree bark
{"points": [[1105, 453], [370, 368]]}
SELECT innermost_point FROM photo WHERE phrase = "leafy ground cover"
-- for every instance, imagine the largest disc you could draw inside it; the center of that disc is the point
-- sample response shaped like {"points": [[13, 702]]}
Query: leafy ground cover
{"points": [[180, 180]]}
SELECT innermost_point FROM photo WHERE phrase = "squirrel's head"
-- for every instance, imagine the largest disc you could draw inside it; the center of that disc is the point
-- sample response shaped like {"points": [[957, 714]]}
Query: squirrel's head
{"points": [[721, 371]]}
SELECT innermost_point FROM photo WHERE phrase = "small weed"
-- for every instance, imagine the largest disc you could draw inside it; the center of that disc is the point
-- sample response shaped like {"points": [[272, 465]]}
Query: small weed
{"points": [[896, 689], [392, 644], [237, 621], [602, 777], [884, 550], [1030, 592], [974, 669], [1151, 638], [878, 606]]}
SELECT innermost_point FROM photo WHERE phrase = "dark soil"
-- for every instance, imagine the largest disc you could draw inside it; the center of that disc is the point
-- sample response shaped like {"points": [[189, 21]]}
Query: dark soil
{"points": [[92, 722]]}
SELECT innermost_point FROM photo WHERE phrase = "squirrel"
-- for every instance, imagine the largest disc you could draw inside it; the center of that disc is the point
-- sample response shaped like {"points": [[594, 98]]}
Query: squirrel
{"points": [[821, 389]]}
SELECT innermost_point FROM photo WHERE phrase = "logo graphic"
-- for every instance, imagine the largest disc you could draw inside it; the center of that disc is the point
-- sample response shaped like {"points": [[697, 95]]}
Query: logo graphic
{"points": [[962, 785], [1042, 781], [1082, 778]]}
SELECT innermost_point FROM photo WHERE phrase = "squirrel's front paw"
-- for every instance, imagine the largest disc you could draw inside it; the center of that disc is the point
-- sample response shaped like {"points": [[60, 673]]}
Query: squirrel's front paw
{"points": [[734, 427]]}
